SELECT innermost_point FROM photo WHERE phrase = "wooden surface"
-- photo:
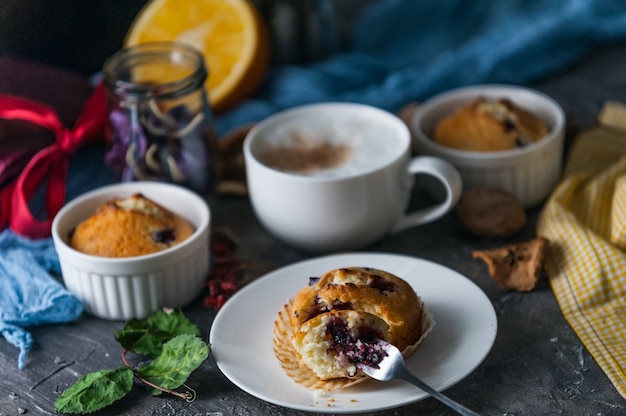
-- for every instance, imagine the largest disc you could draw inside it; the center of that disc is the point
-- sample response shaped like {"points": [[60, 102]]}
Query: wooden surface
{"points": [[537, 365]]}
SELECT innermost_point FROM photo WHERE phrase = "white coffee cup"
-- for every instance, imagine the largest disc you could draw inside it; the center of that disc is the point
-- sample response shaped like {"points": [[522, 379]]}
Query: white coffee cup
{"points": [[356, 201]]}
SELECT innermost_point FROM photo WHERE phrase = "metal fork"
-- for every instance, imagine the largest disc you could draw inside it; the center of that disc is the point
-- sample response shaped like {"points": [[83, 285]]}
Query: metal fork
{"points": [[393, 367]]}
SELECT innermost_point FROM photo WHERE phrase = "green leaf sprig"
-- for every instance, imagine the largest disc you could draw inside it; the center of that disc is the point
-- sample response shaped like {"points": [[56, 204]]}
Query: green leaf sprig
{"points": [[169, 339]]}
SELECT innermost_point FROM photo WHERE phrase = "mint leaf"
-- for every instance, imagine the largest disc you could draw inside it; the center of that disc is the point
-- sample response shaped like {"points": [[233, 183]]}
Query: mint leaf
{"points": [[148, 336], [95, 390], [168, 338], [179, 357], [174, 322]]}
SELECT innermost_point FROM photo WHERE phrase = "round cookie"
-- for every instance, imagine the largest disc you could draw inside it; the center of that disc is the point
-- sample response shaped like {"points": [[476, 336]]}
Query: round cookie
{"points": [[491, 213]]}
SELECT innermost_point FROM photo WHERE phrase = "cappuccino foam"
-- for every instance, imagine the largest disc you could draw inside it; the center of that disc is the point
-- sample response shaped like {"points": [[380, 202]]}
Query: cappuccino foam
{"points": [[339, 149]]}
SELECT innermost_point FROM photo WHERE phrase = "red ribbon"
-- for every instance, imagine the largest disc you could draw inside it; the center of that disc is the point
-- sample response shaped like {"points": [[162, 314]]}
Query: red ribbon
{"points": [[51, 163]]}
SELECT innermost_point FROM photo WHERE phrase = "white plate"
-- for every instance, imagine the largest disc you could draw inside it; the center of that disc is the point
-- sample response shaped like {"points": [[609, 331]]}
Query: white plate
{"points": [[464, 332]]}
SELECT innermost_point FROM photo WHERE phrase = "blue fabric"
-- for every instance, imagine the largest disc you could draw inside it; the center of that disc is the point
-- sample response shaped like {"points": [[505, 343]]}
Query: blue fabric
{"points": [[409, 50], [29, 294]]}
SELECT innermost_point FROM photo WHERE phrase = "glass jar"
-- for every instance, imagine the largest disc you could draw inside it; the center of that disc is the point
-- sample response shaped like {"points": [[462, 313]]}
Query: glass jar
{"points": [[160, 119]]}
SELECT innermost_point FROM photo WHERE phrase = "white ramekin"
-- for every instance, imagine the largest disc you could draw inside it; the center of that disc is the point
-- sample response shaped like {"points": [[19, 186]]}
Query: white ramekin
{"points": [[134, 287], [529, 172]]}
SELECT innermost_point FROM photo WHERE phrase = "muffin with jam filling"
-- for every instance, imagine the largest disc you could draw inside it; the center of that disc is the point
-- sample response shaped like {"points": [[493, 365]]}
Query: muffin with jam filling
{"points": [[128, 227], [487, 125], [340, 322]]}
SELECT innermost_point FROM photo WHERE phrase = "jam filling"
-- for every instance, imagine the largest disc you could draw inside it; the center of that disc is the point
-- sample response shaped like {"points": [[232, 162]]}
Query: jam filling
{"points": [[313, 280], [339, 306], [320, 308], [377, 282], [364, 347], [166, 236]]}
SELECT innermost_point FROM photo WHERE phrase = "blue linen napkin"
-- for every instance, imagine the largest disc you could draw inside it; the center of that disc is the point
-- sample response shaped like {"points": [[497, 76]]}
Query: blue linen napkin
{"points": [[407, 50], [29, 294]]}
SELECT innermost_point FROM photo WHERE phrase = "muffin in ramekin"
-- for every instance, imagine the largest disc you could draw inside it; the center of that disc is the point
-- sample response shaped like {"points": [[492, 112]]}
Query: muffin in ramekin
{"points": [[122, 288], [529, 171]]}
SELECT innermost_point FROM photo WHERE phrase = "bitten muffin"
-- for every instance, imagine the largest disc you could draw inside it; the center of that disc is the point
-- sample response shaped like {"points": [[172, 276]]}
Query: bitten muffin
{"points": [[490, 125], [335, 343], [129, 227], [338, 323]]}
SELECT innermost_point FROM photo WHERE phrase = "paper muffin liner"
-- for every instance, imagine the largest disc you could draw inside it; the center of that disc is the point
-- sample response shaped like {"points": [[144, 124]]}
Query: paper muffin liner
{"points": [[289, 357]]}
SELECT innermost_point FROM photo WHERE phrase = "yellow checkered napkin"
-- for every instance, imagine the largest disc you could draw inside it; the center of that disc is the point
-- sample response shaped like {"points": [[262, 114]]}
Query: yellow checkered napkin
{"points": [[585, 221]]}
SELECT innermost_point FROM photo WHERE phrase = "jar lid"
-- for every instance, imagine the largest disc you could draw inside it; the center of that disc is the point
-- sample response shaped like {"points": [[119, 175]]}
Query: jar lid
{"points": [[155, 70]]}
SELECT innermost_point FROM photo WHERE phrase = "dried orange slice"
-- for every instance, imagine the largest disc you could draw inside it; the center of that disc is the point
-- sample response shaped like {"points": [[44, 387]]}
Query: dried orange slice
{"points": [[229, 33]]}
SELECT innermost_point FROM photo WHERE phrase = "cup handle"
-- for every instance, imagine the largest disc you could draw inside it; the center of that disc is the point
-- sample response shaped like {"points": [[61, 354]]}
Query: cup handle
{"points": [[449, 177]]}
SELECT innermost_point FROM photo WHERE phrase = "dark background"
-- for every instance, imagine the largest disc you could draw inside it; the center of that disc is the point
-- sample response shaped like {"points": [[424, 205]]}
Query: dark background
{"points": [[72, 34], [79, 35]]}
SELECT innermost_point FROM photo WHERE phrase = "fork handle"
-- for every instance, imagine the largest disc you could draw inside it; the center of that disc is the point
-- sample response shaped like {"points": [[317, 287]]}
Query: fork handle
{"points": [[459, 408]]}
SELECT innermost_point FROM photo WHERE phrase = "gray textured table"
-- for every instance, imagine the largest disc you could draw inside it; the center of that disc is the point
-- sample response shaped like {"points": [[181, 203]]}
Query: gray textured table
{"points": [[537, 365]]}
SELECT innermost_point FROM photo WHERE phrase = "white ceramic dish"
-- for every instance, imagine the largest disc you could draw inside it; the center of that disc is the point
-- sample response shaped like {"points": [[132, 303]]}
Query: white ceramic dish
{"points": [[529, 172], [134, 287], [466, 326]]}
